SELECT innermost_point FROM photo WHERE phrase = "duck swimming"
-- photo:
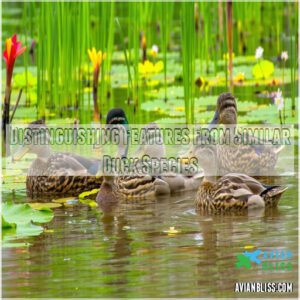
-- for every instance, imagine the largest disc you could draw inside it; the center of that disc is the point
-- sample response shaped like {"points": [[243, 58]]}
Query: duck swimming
{"points": [[253, 159], [143, 186], [55, 174], [233, 191]]}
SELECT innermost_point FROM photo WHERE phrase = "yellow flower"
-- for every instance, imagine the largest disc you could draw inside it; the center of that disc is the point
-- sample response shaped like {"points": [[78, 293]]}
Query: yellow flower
{"points": [[171, 231], [240, 77], [96, 57], [179, 108], [149, 68]]}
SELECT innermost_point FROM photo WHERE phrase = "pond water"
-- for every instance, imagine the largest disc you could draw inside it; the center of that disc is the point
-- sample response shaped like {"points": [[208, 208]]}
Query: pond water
{"points": [[125, 252]]}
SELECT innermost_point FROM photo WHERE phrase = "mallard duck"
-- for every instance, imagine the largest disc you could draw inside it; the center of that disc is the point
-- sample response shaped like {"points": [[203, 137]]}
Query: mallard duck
{"points": [[252, 159], [135, 187], [233, 191], [55, 173]]}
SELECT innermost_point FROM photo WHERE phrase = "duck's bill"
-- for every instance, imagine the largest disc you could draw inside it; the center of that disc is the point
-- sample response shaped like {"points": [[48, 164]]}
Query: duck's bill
{"points": [[214, 121], [20, 153]]}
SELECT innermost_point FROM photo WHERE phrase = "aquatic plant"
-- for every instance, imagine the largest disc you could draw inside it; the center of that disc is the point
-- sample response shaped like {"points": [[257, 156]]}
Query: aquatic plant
{"points": [[154, 51], [188, 58], [149, 68], [259, 52], [13, 49], [229, 39], [284, 57], [96, 59]]}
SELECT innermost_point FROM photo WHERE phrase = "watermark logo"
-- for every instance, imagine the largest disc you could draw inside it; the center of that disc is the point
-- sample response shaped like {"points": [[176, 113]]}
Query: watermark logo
{"points": [[266, 260]]}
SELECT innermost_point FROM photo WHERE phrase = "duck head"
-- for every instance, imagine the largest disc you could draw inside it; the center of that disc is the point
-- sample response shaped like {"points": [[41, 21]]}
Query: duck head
{"points": [[226, 111], [36, 140]]}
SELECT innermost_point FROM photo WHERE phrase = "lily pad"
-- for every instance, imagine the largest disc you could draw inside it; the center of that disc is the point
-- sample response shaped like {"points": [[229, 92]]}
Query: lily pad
{"points": [[263, 69], [17, 222], [42, 206], [23, 213]]}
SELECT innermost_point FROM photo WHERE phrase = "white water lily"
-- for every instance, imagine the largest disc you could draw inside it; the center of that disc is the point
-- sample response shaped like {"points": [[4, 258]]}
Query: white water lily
{"points": [[284, 56], [259, 52], [278, 100]]}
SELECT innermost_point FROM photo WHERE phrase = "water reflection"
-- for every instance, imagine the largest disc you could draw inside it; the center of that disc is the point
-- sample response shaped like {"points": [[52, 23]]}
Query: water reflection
{"points": [[124, 251]]}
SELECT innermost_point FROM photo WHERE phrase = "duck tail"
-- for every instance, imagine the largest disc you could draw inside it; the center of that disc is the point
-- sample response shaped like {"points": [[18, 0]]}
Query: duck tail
{"points": [[272, 194]]}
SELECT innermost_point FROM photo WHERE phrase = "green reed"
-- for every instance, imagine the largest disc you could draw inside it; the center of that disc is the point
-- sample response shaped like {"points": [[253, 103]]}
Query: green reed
{"points": [[188, 58], [63, 32], [166, 14]]}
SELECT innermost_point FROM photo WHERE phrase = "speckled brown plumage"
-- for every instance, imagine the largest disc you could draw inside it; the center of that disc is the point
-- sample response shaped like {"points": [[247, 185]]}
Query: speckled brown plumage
{"points": [[131, 188], [49, 179], [236, 192]]}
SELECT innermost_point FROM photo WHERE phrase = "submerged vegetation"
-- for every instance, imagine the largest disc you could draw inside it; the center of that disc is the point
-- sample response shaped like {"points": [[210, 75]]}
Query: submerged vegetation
{"points": [[143, 53]]}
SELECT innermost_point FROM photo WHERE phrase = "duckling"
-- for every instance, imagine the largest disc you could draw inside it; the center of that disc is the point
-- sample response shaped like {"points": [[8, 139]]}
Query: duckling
{"points": [[252, 159], [233, 191], [55, 174]]}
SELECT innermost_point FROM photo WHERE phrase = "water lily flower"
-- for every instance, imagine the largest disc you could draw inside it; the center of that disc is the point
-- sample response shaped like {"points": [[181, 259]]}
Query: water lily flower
{"points": [[12, 50], [148, 67], [154, 50], [278, 100], [259, 52], [96, 59], [284, 56]]}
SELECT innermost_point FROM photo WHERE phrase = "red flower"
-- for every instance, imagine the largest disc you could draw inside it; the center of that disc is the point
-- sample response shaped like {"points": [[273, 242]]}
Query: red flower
{"points": [[12, 51]]}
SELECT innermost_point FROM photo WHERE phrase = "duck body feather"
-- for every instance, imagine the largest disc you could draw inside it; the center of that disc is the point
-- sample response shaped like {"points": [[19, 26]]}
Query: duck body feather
{"points": [[61, 174], [236, 192]]}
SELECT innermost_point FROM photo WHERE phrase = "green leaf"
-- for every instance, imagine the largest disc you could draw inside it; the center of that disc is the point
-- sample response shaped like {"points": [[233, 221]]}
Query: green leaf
{"points": [[263, 69], [43, 206], [23, 213], [7, 225]]}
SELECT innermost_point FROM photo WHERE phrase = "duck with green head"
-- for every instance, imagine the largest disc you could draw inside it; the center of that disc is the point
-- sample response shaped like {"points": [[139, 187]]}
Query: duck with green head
{"points": [[55, 173], [252, 159], [132, 187]]}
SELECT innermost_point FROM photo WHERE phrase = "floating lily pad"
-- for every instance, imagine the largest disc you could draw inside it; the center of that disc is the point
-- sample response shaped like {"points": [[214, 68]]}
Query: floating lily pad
{"points": [[263, 69], [17, 222], [42, 206], [23, 213]]}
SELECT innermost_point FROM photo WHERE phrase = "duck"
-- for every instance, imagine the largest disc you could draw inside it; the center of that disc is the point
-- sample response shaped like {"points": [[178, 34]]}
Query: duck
{"points": [[55, 173], [233, 191], [152, 146], [131, 187], [137, 187], [254, 159]]}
